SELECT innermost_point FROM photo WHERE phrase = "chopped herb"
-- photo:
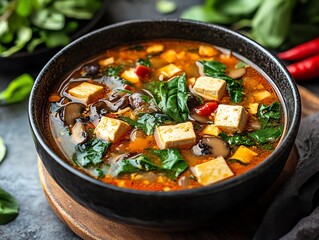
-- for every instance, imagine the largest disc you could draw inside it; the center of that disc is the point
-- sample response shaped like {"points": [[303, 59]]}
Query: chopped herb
{"points": [[114, 71], [9, 208], [171, 161], [147, 122], [217, 70], [90, 153], [100, 173], [124, 90], [269, 115], [145, 62], [266, 135], [237, 139]]}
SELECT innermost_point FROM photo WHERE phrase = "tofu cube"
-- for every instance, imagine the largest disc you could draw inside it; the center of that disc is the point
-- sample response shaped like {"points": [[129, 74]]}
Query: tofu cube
{"points": [[87, 92], [169, 70], [107, 61], [253, 108], [212, 171], [155, 48], [211, 129], [244, 154], [210, 88], [207, 51], [231, 118], [111, 129], [130, 76], [261, 95], [179, 135]]}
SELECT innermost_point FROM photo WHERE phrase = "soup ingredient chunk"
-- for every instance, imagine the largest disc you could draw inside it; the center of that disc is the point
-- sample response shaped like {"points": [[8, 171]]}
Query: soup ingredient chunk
{"points": [[244, 155], [231, 118], [210, 88], [178, 135], [169, 70], [212, 171], [86, 92], [110, 129]]}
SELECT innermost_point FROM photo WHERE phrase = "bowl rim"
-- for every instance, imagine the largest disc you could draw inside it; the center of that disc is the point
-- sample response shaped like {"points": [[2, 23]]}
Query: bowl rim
{"points": [[203, 190]]}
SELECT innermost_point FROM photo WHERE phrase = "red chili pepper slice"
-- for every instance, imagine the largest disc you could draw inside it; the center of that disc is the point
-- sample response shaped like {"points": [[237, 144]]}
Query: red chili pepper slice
{"points": [[206, 109], [301, 51], [306, 69], [142, 71]]}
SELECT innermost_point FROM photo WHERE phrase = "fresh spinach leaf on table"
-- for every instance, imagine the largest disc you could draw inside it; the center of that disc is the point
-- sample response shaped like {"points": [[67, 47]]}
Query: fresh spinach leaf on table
{"points": [[217, 70], [90, 153], [9, 208]]}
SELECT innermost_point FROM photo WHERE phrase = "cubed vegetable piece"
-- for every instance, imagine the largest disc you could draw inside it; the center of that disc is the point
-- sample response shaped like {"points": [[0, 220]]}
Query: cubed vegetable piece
{"points": [[86, 92], [179, 135], [212, 171], [169, 56], [244, 155], [156, 48], [261, 95], [207, 51], [110, 129], [130, 76], [169, 70], [211, 129], [210, 88], [253, 108], [107, 61], [231, 118], [142, 71]]}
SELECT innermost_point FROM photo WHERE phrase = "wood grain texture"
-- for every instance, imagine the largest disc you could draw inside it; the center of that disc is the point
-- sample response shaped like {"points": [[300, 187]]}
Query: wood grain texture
{"points": [[242, 225]]}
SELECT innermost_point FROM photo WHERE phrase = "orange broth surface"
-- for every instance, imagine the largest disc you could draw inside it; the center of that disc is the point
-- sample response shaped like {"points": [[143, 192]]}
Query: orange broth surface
{"points": [[154, 55]]}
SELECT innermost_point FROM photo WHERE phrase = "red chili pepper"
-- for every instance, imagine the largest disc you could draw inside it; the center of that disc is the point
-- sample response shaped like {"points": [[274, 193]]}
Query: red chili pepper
{"points": [[305, 69], [142, 71], [301, 51], [206, 109]]}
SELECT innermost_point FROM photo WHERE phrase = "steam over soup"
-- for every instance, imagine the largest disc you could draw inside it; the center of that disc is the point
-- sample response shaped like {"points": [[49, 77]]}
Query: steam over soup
{"points": [[165, 115]]}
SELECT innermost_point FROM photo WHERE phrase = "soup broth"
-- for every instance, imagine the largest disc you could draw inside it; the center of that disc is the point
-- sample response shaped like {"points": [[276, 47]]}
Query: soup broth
{"points": [[165, 115]]}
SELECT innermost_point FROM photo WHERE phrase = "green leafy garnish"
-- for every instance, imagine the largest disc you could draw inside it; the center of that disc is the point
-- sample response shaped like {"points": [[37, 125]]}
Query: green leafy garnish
{"points": [[171, 97], [90, 153], [114, 71], [17, 90], [217, 70], [147, 122], [171, 160], [132, 165], [237, 139], [144, 61], [3, 150], [266, 135], [9, 208], [269, 115]]}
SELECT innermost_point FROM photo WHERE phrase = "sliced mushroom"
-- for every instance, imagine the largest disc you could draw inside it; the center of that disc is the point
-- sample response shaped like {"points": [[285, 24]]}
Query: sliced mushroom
{"points": [[212, 146], [200, 68], [136, 134], [91, 70], [236, 73], [193, 101], [79, 135], [195, 117], [136, 100], [71, 112], [97, 110]]}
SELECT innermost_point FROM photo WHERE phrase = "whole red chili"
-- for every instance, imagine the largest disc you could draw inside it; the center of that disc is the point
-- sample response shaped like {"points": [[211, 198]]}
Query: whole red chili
{"points": [[305, 69], [206, 109], [301, 51]]}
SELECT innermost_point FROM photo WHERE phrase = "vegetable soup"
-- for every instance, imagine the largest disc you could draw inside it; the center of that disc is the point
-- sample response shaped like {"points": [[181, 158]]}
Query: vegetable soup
{"points": [[165, 115]]}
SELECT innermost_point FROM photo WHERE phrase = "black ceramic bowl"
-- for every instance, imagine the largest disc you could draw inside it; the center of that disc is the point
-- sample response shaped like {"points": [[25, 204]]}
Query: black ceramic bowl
{"points": [[163, 210]]}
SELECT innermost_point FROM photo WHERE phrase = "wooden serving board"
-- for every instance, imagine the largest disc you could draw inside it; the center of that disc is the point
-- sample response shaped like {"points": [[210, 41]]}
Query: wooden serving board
{"points": [[241, 225]]}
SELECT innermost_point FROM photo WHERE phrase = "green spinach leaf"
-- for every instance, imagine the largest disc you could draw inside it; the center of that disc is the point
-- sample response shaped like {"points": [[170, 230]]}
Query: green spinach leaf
{"points": [[171, 97], [147, 122], [132, 165], [171, 160], [9, 208], [269, 115], [237, 139], [266, 135], [217, 70], [17, 90], [114, 71], [90, 153], [144, 61]]}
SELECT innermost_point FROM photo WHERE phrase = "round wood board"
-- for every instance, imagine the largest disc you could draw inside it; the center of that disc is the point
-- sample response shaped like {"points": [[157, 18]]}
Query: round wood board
{"points": [[240, 225]]}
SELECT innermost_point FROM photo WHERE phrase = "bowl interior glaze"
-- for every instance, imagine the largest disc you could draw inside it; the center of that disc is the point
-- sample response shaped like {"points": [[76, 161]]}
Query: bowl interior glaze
{"points": [[178, 210]]}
